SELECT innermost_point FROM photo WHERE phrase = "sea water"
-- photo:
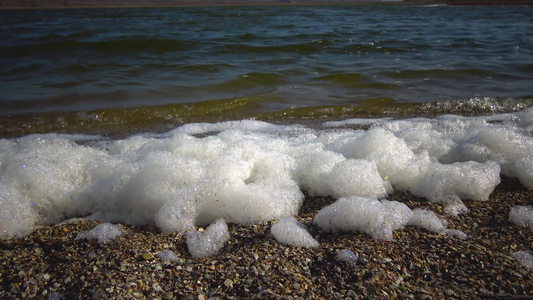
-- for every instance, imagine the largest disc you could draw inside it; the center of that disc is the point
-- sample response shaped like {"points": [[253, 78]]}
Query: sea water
{"points": [[187, 117], [129, 70]]}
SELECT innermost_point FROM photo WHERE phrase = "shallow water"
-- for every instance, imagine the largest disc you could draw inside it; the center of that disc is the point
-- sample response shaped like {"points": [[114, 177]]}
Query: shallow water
{"points": [[143, 69]]}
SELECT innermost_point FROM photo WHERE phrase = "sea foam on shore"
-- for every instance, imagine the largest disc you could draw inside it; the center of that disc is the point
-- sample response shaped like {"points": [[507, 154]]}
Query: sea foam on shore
{"points": [[249, 171]]}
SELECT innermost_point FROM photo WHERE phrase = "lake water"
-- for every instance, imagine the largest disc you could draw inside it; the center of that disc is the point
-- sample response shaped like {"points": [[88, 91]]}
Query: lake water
{"points": [[126, 70]]}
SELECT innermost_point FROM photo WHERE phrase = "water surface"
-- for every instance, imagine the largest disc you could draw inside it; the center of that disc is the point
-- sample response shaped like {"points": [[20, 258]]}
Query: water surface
{"points": [[141, 68]]}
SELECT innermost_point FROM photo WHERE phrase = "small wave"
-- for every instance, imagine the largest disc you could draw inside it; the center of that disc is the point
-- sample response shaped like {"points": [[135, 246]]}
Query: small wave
{"points": [[246, 36], [202, 68], [479, 105], [23, 69], [140, 44], [387, 107], [371, 48], [117, 47], [357, 81], [254, 80], [126, 121], [350, 78], [307, 48], [457, 74]]}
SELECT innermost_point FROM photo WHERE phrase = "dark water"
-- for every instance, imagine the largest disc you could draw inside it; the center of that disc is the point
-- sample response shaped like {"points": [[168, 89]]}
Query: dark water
{"points": [[136, 69]]}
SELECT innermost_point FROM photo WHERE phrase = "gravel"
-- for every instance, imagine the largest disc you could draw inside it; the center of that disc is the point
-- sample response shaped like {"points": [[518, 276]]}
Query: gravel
{"points": [[51, 263]]}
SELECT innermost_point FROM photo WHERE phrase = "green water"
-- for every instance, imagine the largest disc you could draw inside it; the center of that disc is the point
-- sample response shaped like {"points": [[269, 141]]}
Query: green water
{"points": [[125, 70]]}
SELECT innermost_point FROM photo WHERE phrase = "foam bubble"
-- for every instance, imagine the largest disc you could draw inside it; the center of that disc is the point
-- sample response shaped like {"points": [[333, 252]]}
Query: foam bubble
{"points": [[397, 214], [458, 233], [393, 158], [522, 215], [209, 242], [356, 177], [312, 170], [502, 144], [346, 255], [291, 232], [427, 219], [167, 255], [39, 177], [376, 218], [330, 174], [448, 183], [525, 258], [525, 118], [104, 233]]}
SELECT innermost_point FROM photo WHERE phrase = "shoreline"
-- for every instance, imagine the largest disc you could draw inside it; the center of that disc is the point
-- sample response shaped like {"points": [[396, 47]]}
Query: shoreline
{"points": [[63, 4], [416, 264]]}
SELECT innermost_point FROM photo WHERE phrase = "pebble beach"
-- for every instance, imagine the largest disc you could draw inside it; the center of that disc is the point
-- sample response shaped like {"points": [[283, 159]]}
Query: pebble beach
{"points": [[51, 263]]}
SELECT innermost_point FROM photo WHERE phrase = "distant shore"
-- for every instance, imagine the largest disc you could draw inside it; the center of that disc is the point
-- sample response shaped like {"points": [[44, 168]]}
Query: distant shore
{"points": [[42, 4]]}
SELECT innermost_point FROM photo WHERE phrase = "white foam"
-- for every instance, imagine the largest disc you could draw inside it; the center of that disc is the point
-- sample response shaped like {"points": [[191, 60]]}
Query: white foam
{"points": [[427, 219], [501, 144], [346, 255], [374, 217], [524, 257], [468, 180], [525, 118], [455, 207], [378, 218], [355, 121], [394, 160], [356, 177], [522, 215], [291, 232], [250, 171], [242, 125], [397, 214], [328, 173], [209, 242], [458, 233], [312, 170], [167, 255], [104, 233], [418, 172], [39, 175]]}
